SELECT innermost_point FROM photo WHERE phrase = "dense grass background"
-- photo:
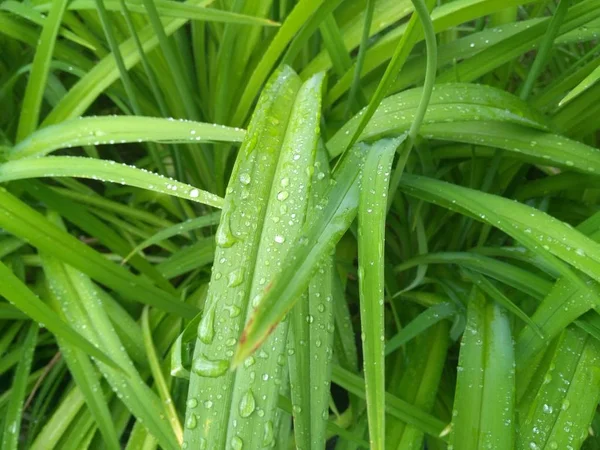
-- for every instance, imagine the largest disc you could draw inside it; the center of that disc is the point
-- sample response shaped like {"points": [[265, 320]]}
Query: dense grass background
{"points": [[277, 224]]}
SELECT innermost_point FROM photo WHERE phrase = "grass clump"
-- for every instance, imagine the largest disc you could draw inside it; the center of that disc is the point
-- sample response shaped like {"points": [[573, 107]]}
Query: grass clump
{"points": [[329, 224]]}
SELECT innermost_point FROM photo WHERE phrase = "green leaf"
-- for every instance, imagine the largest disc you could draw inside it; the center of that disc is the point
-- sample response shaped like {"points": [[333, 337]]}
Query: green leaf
{"points": [[105, 171], [483, 414], [372, 209], [123, 129]]}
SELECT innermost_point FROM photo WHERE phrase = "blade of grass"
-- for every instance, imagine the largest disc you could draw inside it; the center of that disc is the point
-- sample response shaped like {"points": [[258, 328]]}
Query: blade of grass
{"points": [[372, 209]]}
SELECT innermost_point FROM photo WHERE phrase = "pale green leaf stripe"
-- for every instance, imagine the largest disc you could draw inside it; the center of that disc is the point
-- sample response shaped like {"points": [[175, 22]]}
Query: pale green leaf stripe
{"points": [[168, 8], [529, 226], [14, 410], [34, 93], [372, 210], [20, 296], [105, 171], [120, 130]]}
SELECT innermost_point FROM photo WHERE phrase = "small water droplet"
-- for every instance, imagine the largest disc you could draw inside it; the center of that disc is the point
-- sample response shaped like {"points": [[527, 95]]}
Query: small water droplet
{"points": [[237, 443], [282, 196], [192, 403], [236, 277], [245, 178]]}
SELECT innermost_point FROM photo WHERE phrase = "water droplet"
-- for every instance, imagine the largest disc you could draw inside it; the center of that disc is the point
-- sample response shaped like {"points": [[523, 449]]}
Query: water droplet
{"points": [[245, 178], [247, 404], [208, 404], [206, 327], [191, 421], [206, 367], [279, 239], [268, 436], [236, 277], [192, 403], [565, 405], [237, 443], [285, 182], [194, 193], [224, 236], [249, 361], [282, 196]]}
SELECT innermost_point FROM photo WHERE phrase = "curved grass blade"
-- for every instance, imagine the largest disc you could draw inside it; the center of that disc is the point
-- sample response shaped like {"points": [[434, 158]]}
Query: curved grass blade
{"points": [[105, 171], [372, 209], [82, 306], [535, 229], [175, 230], [34, 93], [238, 239], [120, 129], [14, 410], [20, 296], [20, 220], [584, 85], [86, 379], [483, 413], [452, 102], [419, 324], [395, 406]]}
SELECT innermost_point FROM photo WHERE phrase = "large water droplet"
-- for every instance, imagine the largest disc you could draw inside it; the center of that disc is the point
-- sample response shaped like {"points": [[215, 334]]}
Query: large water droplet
{"points": [[282, 196], [247, 404], [224, 236], [245, 178], [203, 444], [237, 443], [206, 327], [191, 421], [192, 403], [269, 436], [236, 277], [206, 367]]}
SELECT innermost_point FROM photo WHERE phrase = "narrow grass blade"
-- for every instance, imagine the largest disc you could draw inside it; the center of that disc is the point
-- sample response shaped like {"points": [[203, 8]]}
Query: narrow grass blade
{"points": [[419, 324], [20, 220], [32, 102], [105, 171], [310, 345], [14, 410], [82, 305], [587, 82], [483, 411], [175, 230], [451, 102], [372, 209], [532, 227], [20, 296], [395, 406], [120, 129]]}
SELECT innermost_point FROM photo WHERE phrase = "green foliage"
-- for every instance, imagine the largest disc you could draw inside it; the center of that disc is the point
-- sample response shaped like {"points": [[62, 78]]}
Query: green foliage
{"points": [[320, 224]]}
